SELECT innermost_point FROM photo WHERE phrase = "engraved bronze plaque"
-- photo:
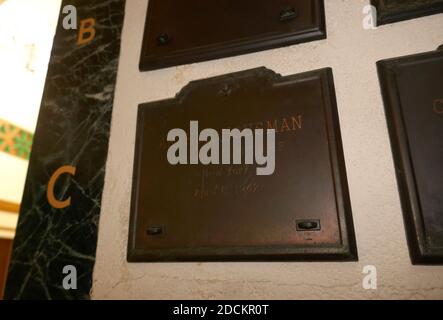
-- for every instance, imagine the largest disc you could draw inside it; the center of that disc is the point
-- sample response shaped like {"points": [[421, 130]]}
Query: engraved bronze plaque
{"points": [[182, 32], [227, 212], [412, 89], [390, 11]]}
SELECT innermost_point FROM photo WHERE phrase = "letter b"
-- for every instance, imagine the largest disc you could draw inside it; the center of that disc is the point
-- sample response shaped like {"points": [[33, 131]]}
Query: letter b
{"points": [[87, 31]]}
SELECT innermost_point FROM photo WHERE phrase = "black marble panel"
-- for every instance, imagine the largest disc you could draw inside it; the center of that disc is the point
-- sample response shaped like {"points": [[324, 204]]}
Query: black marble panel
{"points": [[73, 129]]}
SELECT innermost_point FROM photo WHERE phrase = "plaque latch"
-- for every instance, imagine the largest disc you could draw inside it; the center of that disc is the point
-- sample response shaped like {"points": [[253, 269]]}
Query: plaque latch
{"points": [[289, 13]]}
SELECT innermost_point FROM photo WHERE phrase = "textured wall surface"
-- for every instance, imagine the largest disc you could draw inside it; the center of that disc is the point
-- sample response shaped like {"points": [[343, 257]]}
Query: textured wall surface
{"points": [[352, 52]]}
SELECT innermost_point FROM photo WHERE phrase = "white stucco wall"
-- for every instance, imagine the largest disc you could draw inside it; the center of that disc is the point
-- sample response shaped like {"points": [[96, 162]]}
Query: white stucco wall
{"points": [[352, 52]]}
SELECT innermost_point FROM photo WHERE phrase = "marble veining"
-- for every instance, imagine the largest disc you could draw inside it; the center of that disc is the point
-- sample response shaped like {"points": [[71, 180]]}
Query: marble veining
{"points": [[73, 129]]}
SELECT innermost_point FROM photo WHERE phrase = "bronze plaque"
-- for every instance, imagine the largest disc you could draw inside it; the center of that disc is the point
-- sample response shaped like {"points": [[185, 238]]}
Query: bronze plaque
{"points": [[389, 11], [412, 89], [182, 32], [228, 212]]}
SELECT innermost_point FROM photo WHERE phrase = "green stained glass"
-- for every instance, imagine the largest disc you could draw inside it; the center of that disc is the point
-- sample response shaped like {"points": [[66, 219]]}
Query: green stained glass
{"points": [[22, 144]]}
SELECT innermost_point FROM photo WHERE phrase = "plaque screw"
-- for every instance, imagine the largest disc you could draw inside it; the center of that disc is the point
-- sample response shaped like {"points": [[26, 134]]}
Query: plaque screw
{"points": [[313, 225], [288, 14], [163, 39], [225, 90], [154, 231]]}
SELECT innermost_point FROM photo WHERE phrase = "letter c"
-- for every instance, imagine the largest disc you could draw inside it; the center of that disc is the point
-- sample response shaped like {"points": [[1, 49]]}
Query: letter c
{"points": [[57, 204]]}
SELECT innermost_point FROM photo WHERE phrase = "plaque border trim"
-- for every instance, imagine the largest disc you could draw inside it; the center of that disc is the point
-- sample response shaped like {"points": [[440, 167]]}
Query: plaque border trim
{"points": [[347, 251], [421, 253]]}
